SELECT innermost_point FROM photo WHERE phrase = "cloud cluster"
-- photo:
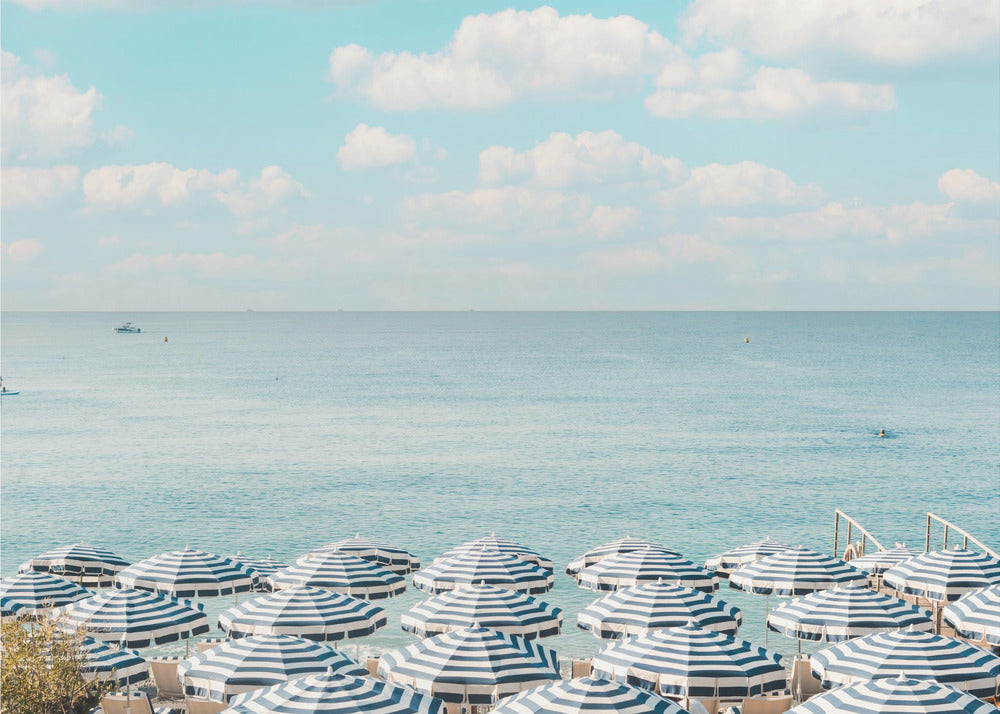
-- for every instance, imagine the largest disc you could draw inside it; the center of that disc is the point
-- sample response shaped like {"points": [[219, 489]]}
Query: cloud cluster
{"points": [[368, 147], [22, 251], [966, 185], [22, 186], [272, 186], [743, 184], [128, 185]]}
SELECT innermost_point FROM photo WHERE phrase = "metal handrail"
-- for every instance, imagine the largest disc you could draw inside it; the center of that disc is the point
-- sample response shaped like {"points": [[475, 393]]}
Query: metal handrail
{"points": [[851, 525], [949, 526]]}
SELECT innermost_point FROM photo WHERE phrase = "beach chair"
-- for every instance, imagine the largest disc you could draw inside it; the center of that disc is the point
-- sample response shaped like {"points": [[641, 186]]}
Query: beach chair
{"points": [[766, 705], [134, 703], [164, 673], [196, 705], [210, 643], [372, 665], [582, 668], [709, 705], [804, 684], [452, 708]]}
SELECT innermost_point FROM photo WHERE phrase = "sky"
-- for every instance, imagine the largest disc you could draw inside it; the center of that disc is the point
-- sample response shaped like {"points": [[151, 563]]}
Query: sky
{"points": [[407, 155]]}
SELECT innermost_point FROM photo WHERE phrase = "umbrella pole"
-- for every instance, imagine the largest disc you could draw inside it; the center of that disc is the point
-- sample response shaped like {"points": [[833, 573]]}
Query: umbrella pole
{"points": [[767, 611]]}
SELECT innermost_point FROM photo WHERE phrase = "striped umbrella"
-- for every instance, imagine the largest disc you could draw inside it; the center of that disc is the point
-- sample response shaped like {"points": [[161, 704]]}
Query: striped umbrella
{"points": [[615, 547], [333, 693], [389, 557], [500, 545], [587, 696], [472, 666], [488, 606], [693, 663], [919, 655], [796, 571], [311, 613], [881, 560], [341, 573], [729, 561], [134, 618], [9, 608], [188, 573], [36, 593], [657, 606], [262, 566], [944, 575], [644, 566], [112, 664], [977, 615], [484, 566], [844, 613], [239, 666], [82, 563], [892, 696]]}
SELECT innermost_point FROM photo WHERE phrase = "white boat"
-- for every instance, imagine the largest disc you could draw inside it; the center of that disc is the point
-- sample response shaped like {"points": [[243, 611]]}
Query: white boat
{"points": [[127, 327]]}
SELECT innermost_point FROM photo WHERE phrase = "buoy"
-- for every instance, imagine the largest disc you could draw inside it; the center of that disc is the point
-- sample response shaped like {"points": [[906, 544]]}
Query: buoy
{"points": [[746, 340], [165, 339]]}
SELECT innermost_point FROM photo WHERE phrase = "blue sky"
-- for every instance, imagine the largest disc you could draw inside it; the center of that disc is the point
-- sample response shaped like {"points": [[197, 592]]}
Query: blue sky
{"points": [[771, 154]]}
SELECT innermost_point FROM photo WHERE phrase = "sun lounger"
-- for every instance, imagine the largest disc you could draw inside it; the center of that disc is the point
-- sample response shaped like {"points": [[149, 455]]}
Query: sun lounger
{"points": [[581, 668], [135, 703], [804, 684], [763, 705], [372, 665], [204, 706], [210, 643], [164, 673]]}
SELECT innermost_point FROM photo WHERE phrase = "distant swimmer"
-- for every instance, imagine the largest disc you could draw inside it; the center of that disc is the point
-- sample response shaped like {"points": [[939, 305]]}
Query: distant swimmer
{"points": [[746, 340], [881, 432]]}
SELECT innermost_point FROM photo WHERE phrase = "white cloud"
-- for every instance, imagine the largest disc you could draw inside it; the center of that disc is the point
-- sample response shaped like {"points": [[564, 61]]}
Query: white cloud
{"points": [[743, 184], [272, 186], [128, 185], [501, 208], [690, 248], [167, 262], [372, 146], [22, 186], [22, 250], [967, 186], [626, 260], [607, 221]]}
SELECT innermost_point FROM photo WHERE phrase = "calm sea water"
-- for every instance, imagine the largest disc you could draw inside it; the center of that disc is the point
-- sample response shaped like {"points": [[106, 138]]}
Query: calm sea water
{"points": [[276, 433]]}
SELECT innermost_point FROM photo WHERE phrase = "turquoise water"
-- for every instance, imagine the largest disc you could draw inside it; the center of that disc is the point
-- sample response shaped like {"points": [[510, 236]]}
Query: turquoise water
{"points": [[276, 433]]}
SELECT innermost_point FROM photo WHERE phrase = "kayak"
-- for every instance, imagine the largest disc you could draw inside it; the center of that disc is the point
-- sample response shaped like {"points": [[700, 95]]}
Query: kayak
{"points": [[8, 394]]}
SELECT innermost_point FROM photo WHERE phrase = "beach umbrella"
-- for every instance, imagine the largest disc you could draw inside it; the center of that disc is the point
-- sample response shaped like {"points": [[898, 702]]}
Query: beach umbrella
{"points": [[643, 566], [110, 664], [389, 557], [188, 573], [238, 666], [690, 662], [918, 655], [134, 618], [471, 666], [82, 563], [615, 547], [881, 560], [9, 608], [484, 567], [340, 572], [796, 571], [261, 566], [725, 563], [944, 575], [486, 605], [893, 696], [657, 606], [312, 613], [500, 545], [977, 615], [37, 592], [587, 695], [333, 693]]}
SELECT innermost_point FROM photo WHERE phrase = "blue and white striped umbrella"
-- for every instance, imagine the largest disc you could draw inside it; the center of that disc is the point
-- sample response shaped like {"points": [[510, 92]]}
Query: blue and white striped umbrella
{"points": [[335, 694], [311, 613], [473, 665], [342, 573], [692, 662], [487, 606], [134, 618], [977, 615], [644, 566], [919, 655], [110, 664], [615, 547], [881, 560], [895, 696], [188, 573], [843, 613], [262, 566], [587, 695], [239, 666], [397, 560], [744, 555], [500, 545], [657, 606], [9, 608], [484, 566], [82, 563], [797, 571], [944, 575], [36, 593]]}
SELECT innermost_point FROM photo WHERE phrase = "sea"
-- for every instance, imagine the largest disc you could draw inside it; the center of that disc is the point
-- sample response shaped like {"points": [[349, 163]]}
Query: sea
{"points": [[276, 433]]}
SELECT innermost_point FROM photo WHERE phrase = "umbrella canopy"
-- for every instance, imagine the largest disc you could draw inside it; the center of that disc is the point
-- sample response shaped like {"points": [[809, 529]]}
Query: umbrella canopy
{"points": [[335, 694], [657, 606], [35, 593], [843, 613], [644, 566], [977, 615], [944, 575], [745, 554], [9, 608], [881, 560], [891, 696], [615, 547], [919, 655], [239, 666], [796, 571], [485, 567], [112, 664], [342, 573], [262, 566], [389, 557], [473, 665], [82, 563], [500, 545], [587, 696], [188, 573], [488, 606], [311, 613], [134, 618], [692, 662]]}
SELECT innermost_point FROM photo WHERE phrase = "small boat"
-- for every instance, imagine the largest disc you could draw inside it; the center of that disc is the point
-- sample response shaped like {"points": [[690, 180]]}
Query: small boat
{"points": [[8, 393], [127, 327]]}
